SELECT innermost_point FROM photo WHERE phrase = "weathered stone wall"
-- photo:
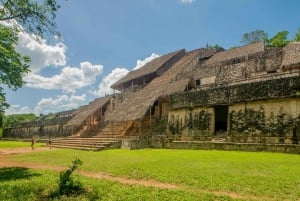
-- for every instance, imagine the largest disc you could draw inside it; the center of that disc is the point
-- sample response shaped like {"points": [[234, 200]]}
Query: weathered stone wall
{"points": [[291, 58], [259, 112], [284, 148], [239, 68], [191, 123], [247, 92], [48, 131], [273, 121], [44, 128], [165, 142]]}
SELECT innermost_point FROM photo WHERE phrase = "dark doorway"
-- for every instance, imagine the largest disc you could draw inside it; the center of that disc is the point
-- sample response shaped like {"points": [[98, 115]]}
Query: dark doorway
{"points": [[221, 114]]}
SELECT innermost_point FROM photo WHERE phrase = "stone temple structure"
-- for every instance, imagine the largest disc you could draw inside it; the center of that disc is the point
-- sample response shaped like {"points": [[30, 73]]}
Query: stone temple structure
{"points": [[244, 98]]}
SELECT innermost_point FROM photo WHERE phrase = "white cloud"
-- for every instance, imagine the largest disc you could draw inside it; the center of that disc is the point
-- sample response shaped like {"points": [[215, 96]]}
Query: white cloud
{"points": [[187, 1], [17, 109], [117, 74], [110, 79], [141, 63], [41, 54], [70, 78], [58, 104]]}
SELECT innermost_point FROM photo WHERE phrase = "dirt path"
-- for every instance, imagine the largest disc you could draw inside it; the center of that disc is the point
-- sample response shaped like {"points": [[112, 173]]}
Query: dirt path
{"points": [[100, 175]]}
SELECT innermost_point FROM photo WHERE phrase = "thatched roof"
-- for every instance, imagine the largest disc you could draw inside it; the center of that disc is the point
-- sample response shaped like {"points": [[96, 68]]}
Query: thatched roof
{"points": [[149, 68], [81, 114], [136, 104], [236, 52]]}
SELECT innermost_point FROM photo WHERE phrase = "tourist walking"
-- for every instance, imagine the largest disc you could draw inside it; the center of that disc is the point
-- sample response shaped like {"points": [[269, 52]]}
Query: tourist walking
{"points": [[32, 143]]}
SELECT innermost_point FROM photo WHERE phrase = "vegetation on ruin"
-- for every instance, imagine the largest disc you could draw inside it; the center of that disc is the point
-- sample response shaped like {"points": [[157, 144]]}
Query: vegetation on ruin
{"points": [[199, 174], [280, 39]]}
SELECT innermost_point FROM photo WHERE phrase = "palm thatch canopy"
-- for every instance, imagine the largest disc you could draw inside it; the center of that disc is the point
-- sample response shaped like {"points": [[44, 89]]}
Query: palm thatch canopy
{"points": [[236, 52], [137, 103], [152, 69], [82, 113]]}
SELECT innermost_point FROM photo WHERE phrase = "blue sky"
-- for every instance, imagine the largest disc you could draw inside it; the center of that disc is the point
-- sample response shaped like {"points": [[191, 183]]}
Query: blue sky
{"points": [[103, 40]]}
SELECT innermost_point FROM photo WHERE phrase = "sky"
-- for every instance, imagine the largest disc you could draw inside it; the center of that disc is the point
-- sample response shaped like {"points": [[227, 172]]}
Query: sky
{"points": [[101, 41]]}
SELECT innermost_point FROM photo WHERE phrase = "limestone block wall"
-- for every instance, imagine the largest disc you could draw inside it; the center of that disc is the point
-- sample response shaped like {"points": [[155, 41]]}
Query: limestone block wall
{"points": [[192, 123], [47, 131], [45, 128], [291, 58], [272, 121], [239, 68]]}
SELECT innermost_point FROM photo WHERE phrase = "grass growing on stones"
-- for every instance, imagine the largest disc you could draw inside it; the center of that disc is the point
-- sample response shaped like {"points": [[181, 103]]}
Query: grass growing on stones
{"points": [[261, 176]]}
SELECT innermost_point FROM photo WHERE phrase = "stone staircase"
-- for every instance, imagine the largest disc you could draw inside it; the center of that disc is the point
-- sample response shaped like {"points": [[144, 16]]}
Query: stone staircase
{"points": [[89, 144], [113, 129]]}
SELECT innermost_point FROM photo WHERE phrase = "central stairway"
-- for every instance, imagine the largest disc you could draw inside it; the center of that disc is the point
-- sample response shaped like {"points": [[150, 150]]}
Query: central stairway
{"points": [[89, 144]]}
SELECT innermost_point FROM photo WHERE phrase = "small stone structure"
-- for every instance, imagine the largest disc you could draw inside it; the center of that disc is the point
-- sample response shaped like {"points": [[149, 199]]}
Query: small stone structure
{"points": [[240, 98]]}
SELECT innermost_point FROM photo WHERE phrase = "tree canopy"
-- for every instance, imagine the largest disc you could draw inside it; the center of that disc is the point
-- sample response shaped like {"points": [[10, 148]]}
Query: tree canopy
{"points": [[33, 17], [297, 35], [12, 64], [279, 40], [254, 36]]}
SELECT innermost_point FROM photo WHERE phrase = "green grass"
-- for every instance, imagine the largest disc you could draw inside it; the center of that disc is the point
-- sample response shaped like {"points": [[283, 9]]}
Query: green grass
{"points": [[25, 184], [17, 144], [265, 176]]}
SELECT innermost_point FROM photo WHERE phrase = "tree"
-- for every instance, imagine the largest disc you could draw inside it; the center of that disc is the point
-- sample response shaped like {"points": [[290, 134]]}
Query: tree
{"points": [[32, 17], [279, 40], [297, 36], [12, 64], [254, 36], [216, 46]]}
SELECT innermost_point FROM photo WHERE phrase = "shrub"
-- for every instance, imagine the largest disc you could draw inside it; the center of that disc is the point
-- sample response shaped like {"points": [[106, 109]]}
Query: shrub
{"points": [[67, 185]]}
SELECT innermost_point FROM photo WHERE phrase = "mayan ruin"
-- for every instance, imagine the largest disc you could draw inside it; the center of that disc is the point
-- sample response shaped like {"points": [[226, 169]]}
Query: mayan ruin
{"points": [[244, 98]]}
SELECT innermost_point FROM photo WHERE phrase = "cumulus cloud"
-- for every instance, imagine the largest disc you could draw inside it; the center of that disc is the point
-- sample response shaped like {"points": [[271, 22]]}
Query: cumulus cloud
{"points": [[117, 74], [41, 54], [141, 63], [17, 109], [70, 78], [58, 104], [110, 79], [187, 1]]}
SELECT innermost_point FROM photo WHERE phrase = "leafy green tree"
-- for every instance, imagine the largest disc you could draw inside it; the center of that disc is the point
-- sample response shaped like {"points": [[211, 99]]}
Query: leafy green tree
{"points": [[254, 36], [297, 36], [12, 64], [216, 46], [35, 17], [279, 40], [31, 16]]}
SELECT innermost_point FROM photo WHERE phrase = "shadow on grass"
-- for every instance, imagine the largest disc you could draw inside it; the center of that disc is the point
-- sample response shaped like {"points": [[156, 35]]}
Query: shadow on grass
{"points": [[14, 173]]}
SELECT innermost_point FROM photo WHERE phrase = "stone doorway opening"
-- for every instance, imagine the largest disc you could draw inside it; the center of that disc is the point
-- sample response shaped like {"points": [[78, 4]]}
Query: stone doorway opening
{"points": [[221, 120]]}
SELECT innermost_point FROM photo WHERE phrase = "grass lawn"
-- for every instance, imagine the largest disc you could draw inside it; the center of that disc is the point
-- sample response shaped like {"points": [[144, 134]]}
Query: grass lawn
{"points": [[199, 174], [17, 144]]}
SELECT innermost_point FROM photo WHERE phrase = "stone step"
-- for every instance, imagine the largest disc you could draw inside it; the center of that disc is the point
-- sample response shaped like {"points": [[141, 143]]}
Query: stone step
{"points": [[86, 143], [79, 147], [87, 139], [95, 143], [218, 140]]}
